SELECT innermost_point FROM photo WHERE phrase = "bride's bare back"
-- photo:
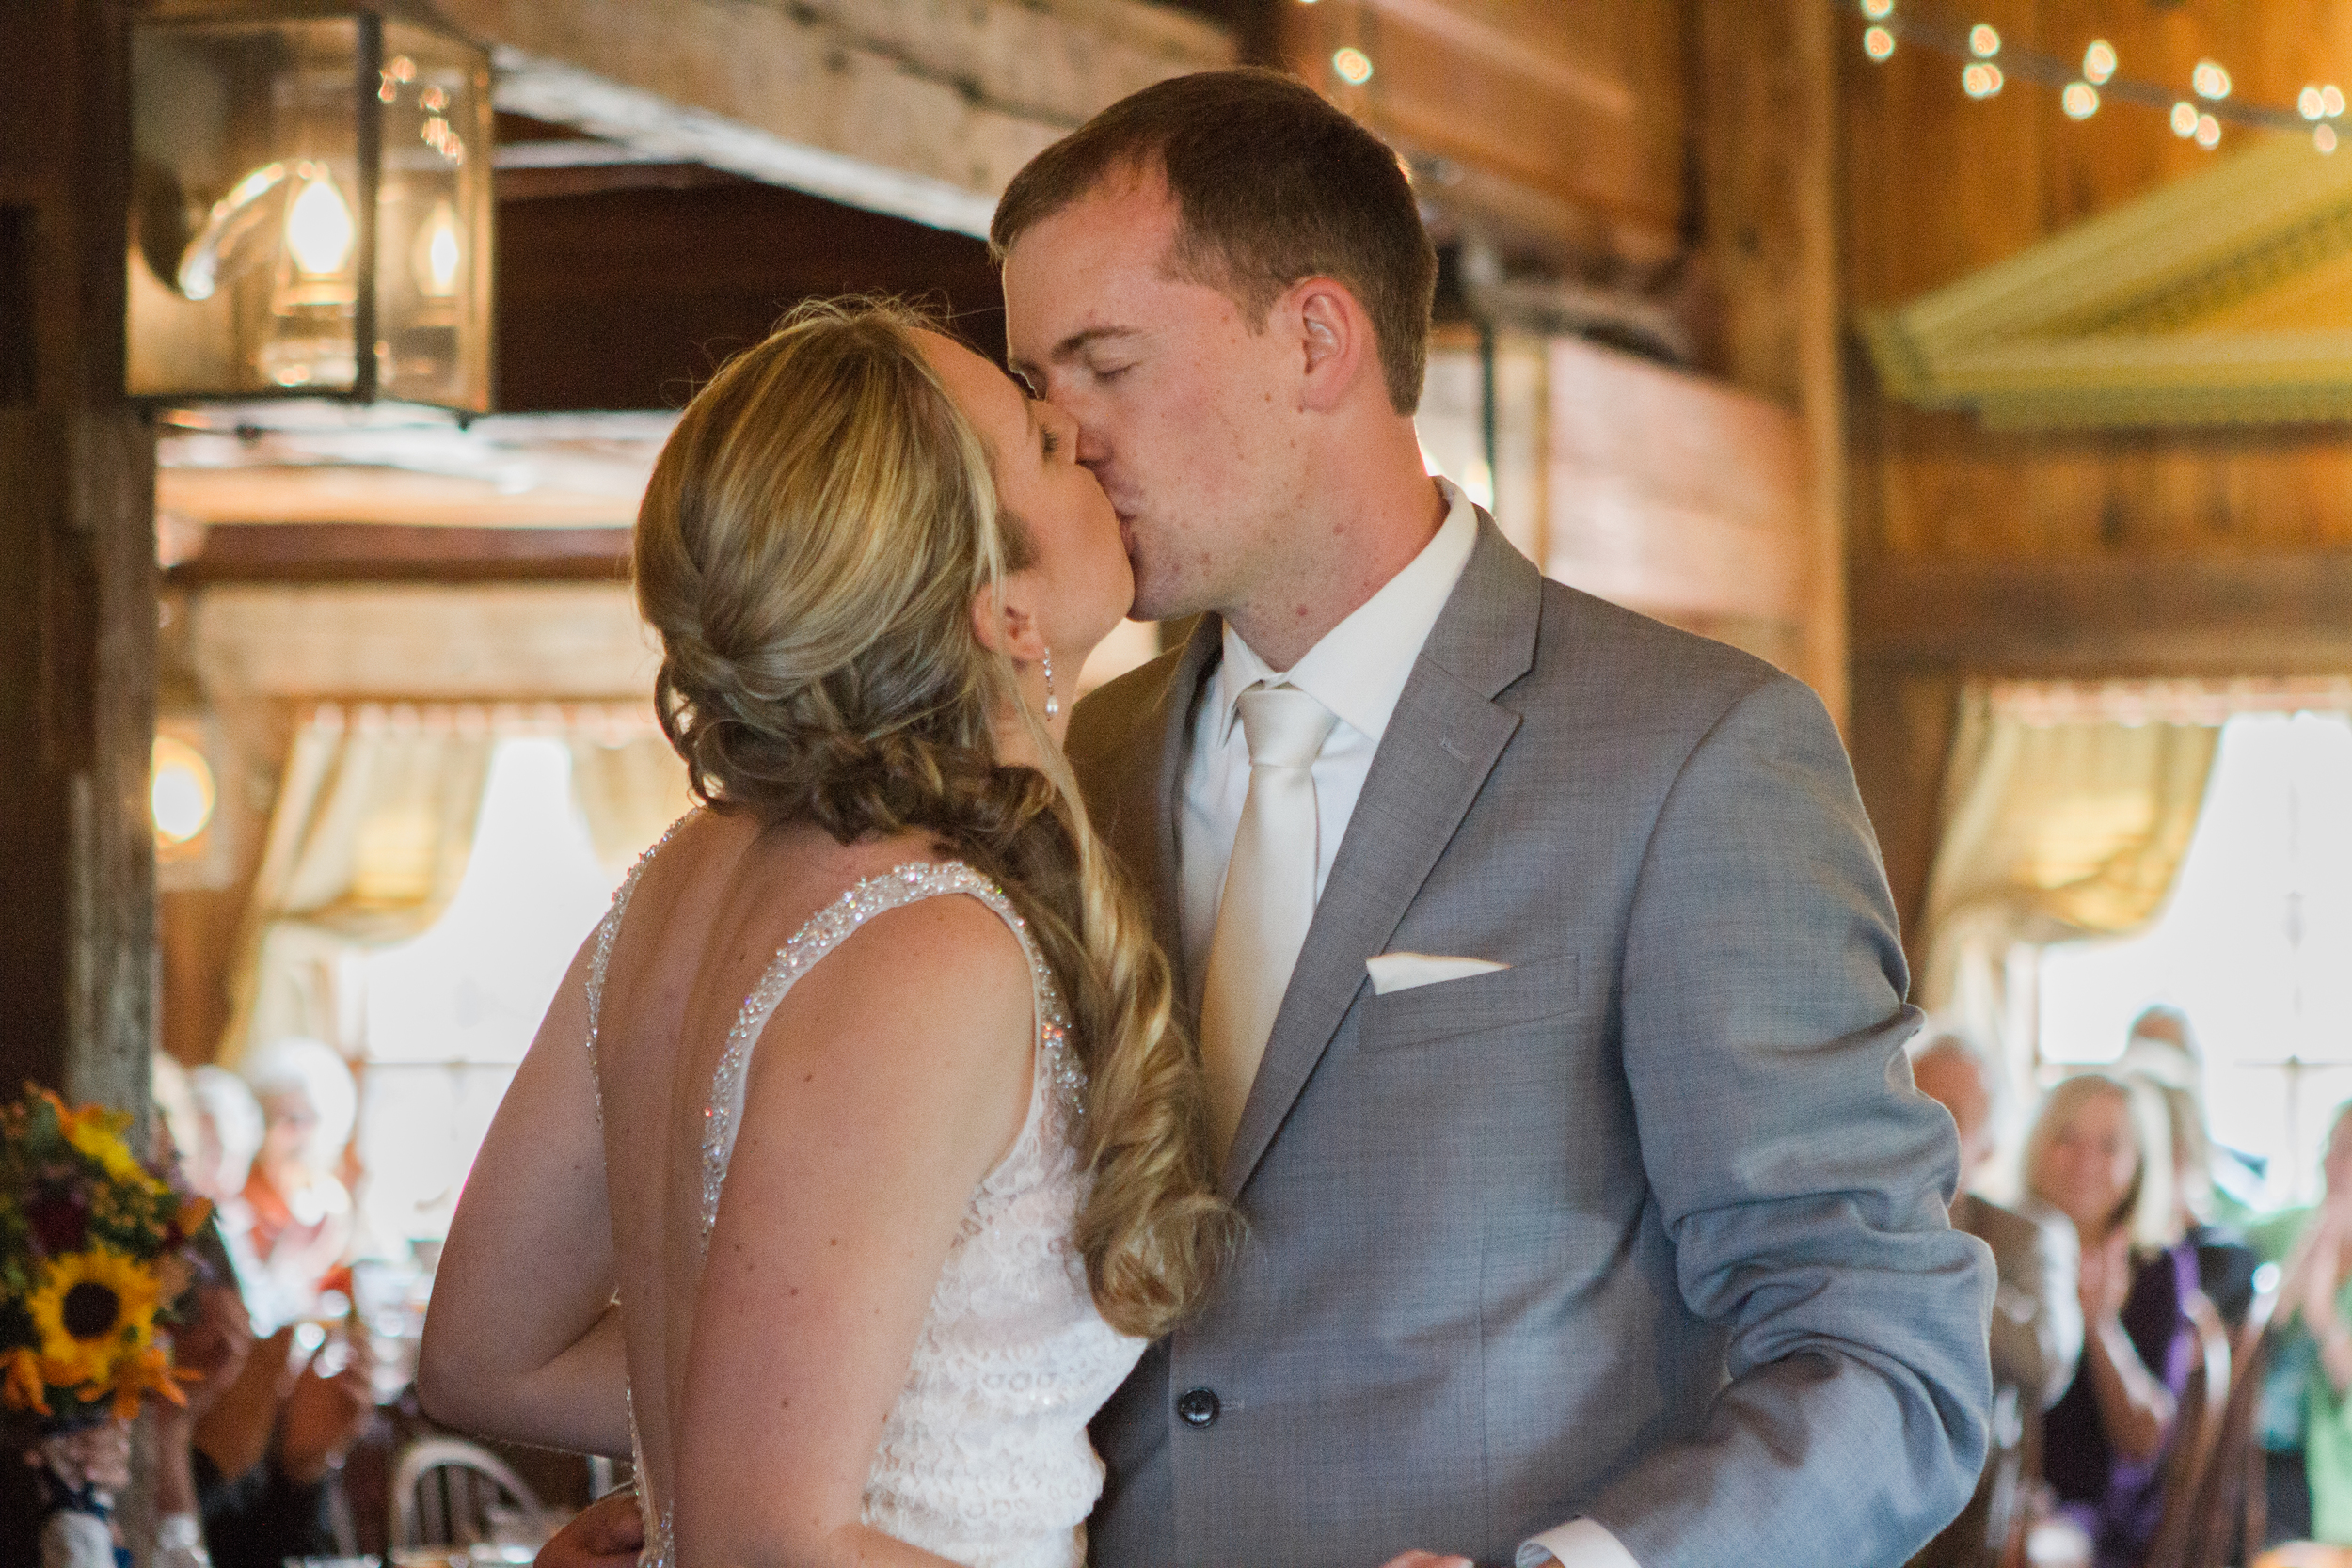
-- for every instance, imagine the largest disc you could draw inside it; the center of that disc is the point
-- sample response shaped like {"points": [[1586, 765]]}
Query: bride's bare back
{"points": [[892, 1078]]}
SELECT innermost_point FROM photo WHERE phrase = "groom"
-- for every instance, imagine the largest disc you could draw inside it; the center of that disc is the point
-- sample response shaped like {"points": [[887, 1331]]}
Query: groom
{"points": [[1543, 966], [1544, 973]]}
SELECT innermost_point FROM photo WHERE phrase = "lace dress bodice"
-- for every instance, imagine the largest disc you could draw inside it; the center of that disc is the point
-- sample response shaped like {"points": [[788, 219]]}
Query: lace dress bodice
{"points": [[984, 1458]]}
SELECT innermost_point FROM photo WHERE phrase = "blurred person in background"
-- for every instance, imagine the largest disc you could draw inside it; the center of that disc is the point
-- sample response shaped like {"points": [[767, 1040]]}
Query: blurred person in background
{"points": [[245, 1468], [2161, 1051], [2306, 1412], [301, 1211], [2100, 1154], [2037, 1326]]}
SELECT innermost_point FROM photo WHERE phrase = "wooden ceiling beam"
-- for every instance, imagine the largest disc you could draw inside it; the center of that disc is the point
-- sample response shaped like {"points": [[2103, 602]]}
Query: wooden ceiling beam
{"points": [[907, 107], [2287, 612], [381, 552]]}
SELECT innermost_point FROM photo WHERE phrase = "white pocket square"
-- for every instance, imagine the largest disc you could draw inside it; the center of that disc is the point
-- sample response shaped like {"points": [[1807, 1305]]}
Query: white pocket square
{"points": [[1404, 970]]}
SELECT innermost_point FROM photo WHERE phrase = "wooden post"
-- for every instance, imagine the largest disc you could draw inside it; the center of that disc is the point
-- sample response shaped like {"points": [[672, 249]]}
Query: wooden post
{"points": [[1763, 95], [77, 570]]}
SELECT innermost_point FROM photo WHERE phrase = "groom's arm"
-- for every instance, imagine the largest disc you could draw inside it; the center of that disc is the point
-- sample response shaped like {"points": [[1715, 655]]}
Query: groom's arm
{"points": [[1802, 1181]]}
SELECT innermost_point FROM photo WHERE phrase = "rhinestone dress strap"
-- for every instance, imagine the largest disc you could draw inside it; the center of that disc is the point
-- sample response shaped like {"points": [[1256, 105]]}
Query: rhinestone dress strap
{"points": [[826, 930]]}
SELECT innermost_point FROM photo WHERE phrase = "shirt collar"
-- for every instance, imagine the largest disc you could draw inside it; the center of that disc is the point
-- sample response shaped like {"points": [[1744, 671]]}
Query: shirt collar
{"points": [[1359, 668]]}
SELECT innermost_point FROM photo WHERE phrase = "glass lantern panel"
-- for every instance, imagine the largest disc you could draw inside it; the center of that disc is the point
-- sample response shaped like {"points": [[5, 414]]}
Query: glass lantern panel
{"points": [[433, 218], [245, 241]]}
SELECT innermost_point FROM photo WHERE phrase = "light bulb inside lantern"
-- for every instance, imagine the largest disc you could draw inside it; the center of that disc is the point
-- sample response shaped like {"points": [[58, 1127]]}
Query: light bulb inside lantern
{"points": [[1878, 10], [2330, 101], [439, 253], [2323, 137], [1878, 43], [319, 230], [1981, 80], [2310, 104], [2210, 81], [2099, 62], [2208, 131], [2081, 99], [180, 793], [1983, 41], [2184, 120], [1354, 66]]}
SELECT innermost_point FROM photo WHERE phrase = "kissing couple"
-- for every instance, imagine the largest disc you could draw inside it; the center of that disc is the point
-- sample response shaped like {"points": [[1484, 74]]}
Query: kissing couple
{"points": [[1546, 1183]]}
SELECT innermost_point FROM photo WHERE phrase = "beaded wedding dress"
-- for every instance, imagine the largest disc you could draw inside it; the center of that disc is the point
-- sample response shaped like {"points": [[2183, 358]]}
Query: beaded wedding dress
{"points": [[984, 1459]]}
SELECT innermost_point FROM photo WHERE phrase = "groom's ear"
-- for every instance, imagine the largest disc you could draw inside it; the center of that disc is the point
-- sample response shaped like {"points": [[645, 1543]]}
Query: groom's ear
{"points": [[1005, 622], [1334, 342]]}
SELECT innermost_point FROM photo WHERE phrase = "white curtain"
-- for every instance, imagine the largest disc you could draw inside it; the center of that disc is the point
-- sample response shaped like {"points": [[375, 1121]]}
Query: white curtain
{"points": [[374, 827], [2067, 811]]}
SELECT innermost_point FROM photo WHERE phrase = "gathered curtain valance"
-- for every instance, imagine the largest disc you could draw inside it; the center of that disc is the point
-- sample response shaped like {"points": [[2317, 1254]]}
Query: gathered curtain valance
{"points": [[2067, 813], [374, 826]]}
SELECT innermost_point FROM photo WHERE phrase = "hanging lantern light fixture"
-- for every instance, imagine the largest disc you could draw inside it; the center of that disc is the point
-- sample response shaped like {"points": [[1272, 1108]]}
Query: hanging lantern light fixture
{"points": [[311, 209]]}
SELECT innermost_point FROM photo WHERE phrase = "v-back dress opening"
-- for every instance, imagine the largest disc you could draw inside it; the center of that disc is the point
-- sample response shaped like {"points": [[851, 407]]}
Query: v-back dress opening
{"points": [[984, 1459]]}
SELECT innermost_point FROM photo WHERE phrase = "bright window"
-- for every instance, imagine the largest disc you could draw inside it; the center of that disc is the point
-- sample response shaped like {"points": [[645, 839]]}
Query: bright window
{"points": [[450, 1014], [2255, 945]]}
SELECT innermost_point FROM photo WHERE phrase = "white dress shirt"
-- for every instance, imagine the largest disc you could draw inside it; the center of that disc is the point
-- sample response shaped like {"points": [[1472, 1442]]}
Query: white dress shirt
{"points": [[1359, 672]]}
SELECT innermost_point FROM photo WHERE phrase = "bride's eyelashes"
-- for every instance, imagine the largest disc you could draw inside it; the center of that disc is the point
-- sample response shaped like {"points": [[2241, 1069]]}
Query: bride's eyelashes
{"points": [[1050, 440]]}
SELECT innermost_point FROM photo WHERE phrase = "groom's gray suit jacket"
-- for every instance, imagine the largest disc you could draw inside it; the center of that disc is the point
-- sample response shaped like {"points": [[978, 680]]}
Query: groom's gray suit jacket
{"points": [[1649, 1226]]}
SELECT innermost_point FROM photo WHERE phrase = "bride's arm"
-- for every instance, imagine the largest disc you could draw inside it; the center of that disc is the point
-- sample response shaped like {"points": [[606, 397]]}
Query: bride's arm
{"points": [[522, 1342], [894, 1077]]}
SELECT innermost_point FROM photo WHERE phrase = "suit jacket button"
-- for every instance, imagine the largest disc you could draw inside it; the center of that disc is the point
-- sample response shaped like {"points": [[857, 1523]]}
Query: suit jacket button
{"points": [[1198, 1406]]}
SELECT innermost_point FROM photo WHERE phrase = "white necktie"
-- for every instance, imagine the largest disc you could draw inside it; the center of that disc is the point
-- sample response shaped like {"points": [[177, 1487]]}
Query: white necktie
{"points": [[1269, 896]]}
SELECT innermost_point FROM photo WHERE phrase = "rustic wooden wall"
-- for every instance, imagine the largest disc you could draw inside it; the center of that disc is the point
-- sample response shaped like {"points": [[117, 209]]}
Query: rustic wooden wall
{"points": [[77, 568], [2142, 553]]}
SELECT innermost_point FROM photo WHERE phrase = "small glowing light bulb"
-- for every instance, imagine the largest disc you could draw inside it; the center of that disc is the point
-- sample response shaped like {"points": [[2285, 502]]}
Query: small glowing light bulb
{"points": [[1983, 41], [440, 254], [2210, 81], [180, 791], [1981, 80], [2310, 104], [2323, 137], [1878, 10], [1354, 67], [319, 230], [1878, 43], [2330, 101], [2081, 99], [2184, 120], [2098, 62], [2208, 131]]}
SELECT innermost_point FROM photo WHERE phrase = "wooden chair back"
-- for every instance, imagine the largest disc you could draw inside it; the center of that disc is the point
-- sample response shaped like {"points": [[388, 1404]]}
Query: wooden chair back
{"points": [[447, 1492], [2196, 1439], [2233, 1507]]}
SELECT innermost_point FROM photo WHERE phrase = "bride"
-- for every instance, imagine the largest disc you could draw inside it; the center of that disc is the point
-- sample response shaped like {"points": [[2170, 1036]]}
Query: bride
{"points": [[856, 1158]]}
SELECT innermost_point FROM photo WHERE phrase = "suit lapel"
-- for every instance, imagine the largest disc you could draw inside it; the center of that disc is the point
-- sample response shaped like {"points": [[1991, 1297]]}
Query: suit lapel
{"points": [[1441, 742], [1146, 802]]}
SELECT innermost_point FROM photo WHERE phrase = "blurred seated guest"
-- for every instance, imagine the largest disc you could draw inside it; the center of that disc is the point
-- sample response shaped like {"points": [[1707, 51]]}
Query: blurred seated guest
{"points": [[301, 1212], [264, 1455], [2037, 1328], [2307, 1392], [2099, 1154], [217, 1162], [2162, 1052], [244, 1468]]}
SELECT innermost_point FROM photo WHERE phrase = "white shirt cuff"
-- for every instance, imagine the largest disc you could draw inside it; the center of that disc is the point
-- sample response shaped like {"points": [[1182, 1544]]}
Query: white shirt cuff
{"points": [[1578, 1543]]}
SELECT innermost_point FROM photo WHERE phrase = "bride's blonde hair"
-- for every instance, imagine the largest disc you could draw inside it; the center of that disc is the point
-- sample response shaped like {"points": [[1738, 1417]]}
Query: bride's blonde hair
{"points": [[809, 548]]}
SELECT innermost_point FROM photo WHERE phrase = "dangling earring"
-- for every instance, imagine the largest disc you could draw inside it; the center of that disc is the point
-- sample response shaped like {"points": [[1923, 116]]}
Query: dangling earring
{"points": [[1053, 704]]}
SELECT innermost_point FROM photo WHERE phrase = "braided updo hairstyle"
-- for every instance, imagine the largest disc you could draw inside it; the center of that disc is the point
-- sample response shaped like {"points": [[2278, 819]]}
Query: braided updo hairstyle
{"points": [[808, 549]]}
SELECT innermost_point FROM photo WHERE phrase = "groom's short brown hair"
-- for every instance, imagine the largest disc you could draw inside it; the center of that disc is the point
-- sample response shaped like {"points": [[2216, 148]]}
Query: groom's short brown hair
{"points": [[1271, 185]]}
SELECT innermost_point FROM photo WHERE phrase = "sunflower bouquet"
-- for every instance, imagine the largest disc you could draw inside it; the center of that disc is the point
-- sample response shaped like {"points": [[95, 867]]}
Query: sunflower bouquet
{"points": [[92, 1251]]}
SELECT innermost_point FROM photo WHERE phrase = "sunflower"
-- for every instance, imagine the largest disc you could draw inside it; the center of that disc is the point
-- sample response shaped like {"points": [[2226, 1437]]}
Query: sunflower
{"points": [[93, 1132], [91, 1308]]}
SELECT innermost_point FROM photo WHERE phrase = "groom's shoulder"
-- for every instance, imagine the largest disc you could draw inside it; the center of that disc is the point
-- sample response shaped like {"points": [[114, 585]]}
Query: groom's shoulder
{"points": [[1590, 651], [1106, 719]]}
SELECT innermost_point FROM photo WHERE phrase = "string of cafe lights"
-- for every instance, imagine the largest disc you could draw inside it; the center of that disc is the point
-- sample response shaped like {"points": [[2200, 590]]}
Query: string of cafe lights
{"points": [[2086, 85]]}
